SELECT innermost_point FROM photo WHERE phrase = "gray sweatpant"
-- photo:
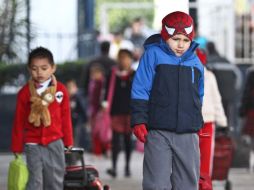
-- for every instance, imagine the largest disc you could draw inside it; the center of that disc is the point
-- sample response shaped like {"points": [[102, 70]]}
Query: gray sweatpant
{"points": [[46, 165], [171, 161]]}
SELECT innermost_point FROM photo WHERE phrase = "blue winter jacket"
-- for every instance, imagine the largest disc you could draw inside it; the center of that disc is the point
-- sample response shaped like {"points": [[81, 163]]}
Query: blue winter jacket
{"points": [[167, 90]]}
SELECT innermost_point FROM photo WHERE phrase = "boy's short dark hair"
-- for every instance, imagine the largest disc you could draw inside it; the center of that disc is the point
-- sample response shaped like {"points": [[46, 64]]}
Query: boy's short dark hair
{"points": [[41, 52]]}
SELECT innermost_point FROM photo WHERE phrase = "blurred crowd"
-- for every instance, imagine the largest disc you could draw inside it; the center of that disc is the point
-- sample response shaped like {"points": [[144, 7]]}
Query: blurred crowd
{"points": [[106, 88]]}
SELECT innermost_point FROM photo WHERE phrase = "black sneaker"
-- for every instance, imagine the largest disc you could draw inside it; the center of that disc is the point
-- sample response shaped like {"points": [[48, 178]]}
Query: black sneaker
{"points": [[111, 172], [127, 173]]}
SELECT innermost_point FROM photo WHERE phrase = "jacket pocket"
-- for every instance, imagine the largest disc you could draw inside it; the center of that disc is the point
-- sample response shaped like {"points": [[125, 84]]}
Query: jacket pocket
{"points": [[197, 114], [196, 97], [160, 112]]}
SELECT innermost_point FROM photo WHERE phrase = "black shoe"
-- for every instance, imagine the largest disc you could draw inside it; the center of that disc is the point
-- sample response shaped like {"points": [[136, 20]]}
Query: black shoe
{"points": [[111, 172], [127, 173]]}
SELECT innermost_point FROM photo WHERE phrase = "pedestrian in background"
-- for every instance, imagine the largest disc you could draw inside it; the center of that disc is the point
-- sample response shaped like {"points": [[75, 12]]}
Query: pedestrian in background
{"points": [[213, 114], [119, 42], [42, 124], [120, 111], [213, 55], [103, 60], [247, 112], [78, 115], [166, 101], [96, 91]]}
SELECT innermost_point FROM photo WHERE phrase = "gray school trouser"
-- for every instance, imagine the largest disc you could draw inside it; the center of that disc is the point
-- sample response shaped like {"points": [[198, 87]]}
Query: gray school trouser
{"points": [[46, 166], [171, 161]]}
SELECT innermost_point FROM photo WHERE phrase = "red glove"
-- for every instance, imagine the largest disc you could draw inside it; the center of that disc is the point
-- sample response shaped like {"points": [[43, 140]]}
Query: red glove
{"points": [[140, 132]]}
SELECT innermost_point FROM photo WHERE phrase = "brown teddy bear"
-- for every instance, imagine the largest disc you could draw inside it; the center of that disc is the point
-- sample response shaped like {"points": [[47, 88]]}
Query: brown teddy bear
{"points": [[39, 113]]}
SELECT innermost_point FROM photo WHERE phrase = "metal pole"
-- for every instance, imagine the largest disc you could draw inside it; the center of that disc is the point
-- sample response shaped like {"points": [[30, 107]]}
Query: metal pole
{"points": [[28, 29], [89, 14]]}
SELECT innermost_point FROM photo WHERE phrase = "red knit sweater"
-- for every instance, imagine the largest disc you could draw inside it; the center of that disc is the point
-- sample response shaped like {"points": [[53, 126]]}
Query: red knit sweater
{"points": [[61, 126]]}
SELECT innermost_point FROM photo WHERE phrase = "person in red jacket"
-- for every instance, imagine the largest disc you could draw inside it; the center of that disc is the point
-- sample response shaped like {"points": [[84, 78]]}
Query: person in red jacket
{"points": [[213, 115], [42, 124]]}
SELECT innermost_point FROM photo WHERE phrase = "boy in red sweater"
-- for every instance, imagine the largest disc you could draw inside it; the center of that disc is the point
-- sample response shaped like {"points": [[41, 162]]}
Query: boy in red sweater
{"points": [[42, 124]]}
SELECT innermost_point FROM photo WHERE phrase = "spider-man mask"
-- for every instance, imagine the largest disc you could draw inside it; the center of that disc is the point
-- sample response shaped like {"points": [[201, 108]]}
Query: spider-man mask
{"points": [[177, 23]]}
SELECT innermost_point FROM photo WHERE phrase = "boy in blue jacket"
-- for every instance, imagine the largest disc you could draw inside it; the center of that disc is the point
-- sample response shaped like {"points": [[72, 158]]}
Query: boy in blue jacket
{"points": [[167, 94]]}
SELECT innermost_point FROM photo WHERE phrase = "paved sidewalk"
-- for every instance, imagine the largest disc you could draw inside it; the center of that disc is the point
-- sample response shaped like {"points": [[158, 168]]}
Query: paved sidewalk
{"points": [[240, 178]]}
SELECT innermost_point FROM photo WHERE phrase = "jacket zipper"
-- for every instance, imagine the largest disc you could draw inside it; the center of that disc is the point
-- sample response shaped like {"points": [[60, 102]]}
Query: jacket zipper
{"points": [[192, 75], [178, 90]]}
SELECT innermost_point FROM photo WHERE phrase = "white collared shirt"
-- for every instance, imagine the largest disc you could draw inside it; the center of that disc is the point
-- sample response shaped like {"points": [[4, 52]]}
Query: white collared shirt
{"points": [[43, 87]]}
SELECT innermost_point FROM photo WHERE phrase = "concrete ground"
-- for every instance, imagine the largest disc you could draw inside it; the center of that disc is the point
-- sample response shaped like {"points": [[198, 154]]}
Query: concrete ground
{"points": [[241, 179]]}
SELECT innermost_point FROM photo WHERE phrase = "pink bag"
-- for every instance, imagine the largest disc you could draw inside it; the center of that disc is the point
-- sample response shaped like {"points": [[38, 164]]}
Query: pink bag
{"points": [[102, 124]]}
